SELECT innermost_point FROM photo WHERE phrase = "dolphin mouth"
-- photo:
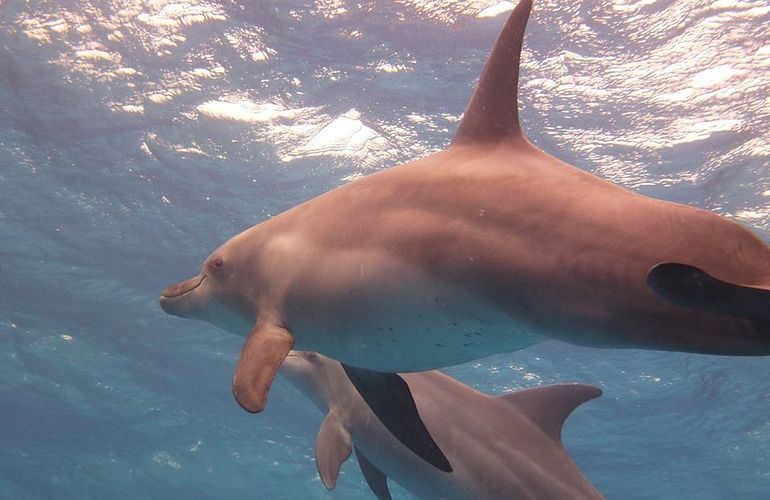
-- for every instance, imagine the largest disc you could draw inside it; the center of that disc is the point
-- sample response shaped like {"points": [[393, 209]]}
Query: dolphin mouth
{"points": [[182, 288]]}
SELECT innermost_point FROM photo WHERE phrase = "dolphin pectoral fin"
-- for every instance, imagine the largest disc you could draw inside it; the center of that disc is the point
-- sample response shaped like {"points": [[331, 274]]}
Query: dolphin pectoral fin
{"points": [[389, 397], [332, 448], [377, 481], [690, 287], [261, 355]]}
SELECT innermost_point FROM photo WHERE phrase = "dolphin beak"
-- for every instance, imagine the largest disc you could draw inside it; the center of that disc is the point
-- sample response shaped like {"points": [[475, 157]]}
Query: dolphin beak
{"points": [[169, 299], [182, 288]]}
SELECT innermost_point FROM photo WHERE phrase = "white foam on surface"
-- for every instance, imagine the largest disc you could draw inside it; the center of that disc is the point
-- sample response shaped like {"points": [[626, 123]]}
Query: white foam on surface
{"points": [[345, 135], [246, 111], [496, 10], [715, 77], [97, 55]]}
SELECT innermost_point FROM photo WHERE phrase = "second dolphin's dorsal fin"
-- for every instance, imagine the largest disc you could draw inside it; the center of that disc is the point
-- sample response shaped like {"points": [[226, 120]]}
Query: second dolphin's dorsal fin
{"points": [[493, 113], [550, 405]]}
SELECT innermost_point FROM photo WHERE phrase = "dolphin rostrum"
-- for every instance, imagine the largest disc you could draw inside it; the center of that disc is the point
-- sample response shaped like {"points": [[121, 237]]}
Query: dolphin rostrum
{"points": [[488, 246], [501, 447]]}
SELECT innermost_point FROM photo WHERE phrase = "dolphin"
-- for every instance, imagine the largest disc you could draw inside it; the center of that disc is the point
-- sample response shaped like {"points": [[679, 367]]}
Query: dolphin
{"points": [[489, 246], [506, 446]]}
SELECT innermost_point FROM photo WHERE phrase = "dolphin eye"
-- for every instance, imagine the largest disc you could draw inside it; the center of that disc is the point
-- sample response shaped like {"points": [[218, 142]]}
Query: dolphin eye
{"points": [[217, 264]]}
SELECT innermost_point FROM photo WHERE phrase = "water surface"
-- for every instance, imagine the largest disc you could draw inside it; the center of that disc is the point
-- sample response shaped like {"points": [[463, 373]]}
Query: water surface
{"points": [[136, 136]]}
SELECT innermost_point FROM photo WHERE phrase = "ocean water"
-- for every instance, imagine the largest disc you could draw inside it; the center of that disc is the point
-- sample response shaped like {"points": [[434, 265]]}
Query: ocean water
{"points": [[137, 136]]}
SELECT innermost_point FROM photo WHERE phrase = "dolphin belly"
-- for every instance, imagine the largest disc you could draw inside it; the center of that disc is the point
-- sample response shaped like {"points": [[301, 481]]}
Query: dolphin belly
{"points": [[396, 317]]}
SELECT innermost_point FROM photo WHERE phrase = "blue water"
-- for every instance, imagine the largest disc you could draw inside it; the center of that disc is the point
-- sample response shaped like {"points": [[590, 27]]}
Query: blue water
{"points": [[135, 137]]}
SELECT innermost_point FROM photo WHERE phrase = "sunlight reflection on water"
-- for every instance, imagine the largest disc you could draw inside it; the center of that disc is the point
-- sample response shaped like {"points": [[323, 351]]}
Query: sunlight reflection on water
{"points": [[138, 134]]}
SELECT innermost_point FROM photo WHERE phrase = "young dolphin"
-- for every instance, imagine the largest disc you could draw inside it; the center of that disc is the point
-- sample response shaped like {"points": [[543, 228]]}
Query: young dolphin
{"points": [[506, 446], [489, 246]]}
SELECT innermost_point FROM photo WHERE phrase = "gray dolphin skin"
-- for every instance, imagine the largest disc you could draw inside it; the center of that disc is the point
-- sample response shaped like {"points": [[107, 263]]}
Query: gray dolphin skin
{"points": [[489, 246], [501, 447]]}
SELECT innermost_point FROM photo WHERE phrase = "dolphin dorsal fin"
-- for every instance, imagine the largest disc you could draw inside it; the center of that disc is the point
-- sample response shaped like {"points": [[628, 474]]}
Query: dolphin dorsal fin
{"points": [[493, 113], [550, 405]]}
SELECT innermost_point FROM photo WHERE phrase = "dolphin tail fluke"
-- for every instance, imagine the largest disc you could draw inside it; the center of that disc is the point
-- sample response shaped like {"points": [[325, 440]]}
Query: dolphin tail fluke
{"points": [[690, 287], [549, 406], [390, 399], [261, 355], [375, 478], [493, 113]]}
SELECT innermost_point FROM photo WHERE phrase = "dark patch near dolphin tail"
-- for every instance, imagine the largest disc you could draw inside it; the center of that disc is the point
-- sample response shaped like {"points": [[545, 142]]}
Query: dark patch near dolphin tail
{"points": [[389, 397], [375, 478], [690, 287], [493, 112]]}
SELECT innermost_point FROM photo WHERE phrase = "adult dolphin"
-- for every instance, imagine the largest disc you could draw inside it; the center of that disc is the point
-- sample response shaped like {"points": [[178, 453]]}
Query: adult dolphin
{"points": [[502, 447], [489, 246]]}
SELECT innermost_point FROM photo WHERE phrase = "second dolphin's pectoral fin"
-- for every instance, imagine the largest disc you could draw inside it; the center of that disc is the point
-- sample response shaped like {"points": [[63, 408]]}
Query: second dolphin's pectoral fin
{"points": [[261, 355], [492, 115], [332, 448], [375, 478], [389, 397], [550, 405], [690, 287]]}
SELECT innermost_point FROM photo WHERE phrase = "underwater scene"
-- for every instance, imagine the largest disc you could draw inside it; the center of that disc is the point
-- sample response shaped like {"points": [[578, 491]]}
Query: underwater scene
{"points": [[526, 254]]}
